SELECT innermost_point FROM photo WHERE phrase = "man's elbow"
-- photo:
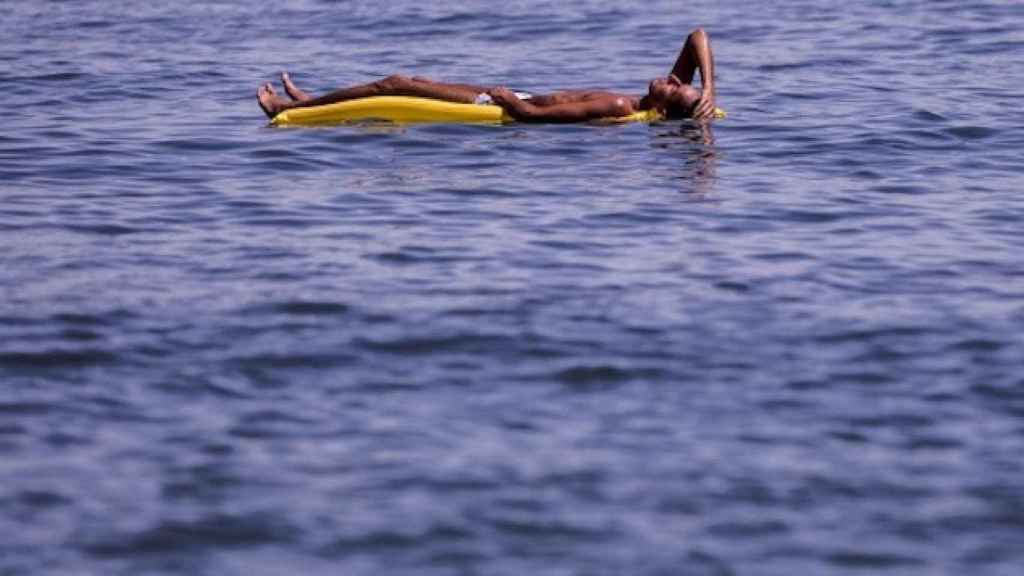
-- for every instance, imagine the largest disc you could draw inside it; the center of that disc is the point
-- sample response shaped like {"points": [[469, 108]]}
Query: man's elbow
{"points": [[520, 114], [698, 35], [530, 114]]}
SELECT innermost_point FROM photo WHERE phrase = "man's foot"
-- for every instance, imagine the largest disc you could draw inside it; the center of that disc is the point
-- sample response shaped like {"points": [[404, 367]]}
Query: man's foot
{"points": [[293, 91], [270, 102]]}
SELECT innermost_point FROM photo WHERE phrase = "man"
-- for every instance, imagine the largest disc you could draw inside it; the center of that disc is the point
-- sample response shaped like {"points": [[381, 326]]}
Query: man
{"points": [[672, 96]]}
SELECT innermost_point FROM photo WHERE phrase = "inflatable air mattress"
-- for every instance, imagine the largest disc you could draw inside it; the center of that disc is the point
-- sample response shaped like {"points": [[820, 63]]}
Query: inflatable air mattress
{"points": [[410, 110]]}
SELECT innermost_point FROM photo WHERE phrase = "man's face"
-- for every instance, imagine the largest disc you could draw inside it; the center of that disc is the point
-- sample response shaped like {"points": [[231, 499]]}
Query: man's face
{"points": [[670, 91], [665, 90]]}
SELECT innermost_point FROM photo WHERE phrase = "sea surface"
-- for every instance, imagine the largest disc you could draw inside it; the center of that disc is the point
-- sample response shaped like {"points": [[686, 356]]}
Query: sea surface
{"points": [[790, 343]]}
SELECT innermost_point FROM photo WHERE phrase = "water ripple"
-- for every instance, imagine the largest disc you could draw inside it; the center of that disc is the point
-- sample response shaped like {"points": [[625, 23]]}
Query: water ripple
{"points": [[785, 343]]}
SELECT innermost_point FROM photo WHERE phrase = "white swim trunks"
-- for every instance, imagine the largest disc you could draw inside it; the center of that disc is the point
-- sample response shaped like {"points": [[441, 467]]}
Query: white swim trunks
{"points": [[485, 98]]}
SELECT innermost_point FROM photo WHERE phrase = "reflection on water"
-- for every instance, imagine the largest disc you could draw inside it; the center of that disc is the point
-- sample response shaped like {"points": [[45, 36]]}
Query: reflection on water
{"points": [[693, 143]]}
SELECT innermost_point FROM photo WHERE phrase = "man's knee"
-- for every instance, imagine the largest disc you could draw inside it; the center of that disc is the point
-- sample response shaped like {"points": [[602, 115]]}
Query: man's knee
{"points": [[393, 82]]}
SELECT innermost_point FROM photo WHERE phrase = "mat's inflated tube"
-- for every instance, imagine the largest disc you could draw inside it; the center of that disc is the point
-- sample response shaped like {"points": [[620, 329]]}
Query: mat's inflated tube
{"points": [[410, 109], [403, 109]]}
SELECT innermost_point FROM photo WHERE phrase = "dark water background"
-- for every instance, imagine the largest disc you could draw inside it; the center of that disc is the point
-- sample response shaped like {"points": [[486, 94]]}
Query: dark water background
{"points": [[790, 346]]}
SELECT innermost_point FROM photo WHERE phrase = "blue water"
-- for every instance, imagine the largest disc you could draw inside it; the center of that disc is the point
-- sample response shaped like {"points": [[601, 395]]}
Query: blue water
{"points": [[788, 345]]}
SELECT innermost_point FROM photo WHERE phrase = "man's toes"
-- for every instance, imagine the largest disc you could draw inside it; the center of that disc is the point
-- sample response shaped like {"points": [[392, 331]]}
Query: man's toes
{"points": [[263, 98], [293, 91]]}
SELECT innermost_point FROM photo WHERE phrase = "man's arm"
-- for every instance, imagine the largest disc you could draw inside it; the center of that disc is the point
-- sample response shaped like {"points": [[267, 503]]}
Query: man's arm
{"points": [[696, 55], [569, 112]]}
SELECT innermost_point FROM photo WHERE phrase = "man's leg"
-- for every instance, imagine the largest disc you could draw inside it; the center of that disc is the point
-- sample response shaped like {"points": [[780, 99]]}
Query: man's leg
{"points": [[475, 88], [395, 85]]}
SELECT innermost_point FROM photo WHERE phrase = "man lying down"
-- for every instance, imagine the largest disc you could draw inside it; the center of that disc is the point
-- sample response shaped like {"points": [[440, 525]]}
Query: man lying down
{"points": [[672, 96]]}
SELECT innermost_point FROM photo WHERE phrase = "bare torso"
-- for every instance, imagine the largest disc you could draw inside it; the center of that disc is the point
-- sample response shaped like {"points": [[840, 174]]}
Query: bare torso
{"points": [[573, 96]]}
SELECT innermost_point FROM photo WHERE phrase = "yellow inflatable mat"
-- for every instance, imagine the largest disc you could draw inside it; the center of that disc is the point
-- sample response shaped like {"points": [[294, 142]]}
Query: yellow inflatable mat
{"points": [[411, 110]]}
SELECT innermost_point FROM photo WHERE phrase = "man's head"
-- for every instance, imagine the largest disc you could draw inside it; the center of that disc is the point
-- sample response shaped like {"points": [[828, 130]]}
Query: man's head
{"points": [[673, 98]]}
